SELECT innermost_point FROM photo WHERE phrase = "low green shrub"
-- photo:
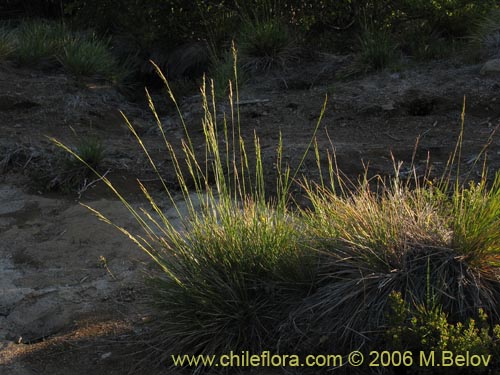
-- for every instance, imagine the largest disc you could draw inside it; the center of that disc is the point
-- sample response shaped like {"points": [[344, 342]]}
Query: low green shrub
{"points": [[427, 329], [455, 18]]}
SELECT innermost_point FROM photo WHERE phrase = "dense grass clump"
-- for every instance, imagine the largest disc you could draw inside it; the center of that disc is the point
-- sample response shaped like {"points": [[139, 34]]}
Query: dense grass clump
{"points": [[39, 40], [485, 38], [88, 56], [265, 44], [91, 150], [377, 49], [236, 275], [6, 43], [421, 241], [222, 72], [69, 173], [52, 45]]}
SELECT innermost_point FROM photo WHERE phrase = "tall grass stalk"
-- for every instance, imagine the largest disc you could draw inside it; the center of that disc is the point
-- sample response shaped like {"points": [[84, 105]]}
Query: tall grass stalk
{"points": [[233, 271]]}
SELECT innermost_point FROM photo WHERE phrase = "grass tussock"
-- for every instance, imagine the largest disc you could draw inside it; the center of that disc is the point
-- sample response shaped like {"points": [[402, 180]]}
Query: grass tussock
{"points": [[377, 49], [6, 43], [485, 39], [236, 274], [88, 56], [52, 45], [245, 272], [68, 173], [266, 44], [422, 242], [222, 73], [38, 40]]}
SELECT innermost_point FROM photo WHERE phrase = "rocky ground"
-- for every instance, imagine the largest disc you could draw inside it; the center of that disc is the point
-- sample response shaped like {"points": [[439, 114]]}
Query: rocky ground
{"points": [[70, 285]]}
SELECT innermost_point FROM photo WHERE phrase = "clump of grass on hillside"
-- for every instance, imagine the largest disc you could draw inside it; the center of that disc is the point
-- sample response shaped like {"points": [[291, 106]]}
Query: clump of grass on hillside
{"points": [[265, 44], [423, 44], [6, 43], [245, 272], [485, 39], [71, 174], [236, 275], [91, 150], [51, 44], [377, 49], [88, 56], [38, 40], [374, 243], [222, 73]]}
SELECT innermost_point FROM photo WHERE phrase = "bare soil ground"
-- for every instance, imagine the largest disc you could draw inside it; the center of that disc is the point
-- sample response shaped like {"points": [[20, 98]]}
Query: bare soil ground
{"points": [[70, 285]]}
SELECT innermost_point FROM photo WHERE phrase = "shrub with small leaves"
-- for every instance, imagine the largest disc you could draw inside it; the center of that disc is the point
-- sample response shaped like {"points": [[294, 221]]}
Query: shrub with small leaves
{"points": [[420, 328], [222, 72]]}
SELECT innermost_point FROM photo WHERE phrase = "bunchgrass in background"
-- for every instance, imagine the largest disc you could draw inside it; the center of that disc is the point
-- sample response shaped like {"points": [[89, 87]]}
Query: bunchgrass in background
{"points": [[485, 38], [88, 56], [38, 40], [6, 43], [222, 73], [377, 49], [266, 44], [52, 45], [68, 173]]}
